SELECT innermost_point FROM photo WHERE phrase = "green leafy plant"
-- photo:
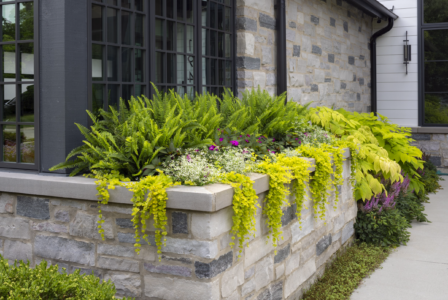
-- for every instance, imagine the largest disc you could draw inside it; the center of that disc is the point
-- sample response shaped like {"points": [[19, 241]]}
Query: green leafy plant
{"points": [[20, 281]]}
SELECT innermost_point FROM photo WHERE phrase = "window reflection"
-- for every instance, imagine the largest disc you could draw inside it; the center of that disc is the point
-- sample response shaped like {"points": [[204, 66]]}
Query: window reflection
{"points": [[26, 17], [9, 143], [97, 23], [97, 62], [27, 103], [27, 144], [27, 62], [8, 23], [9, 62], [9, 102]]}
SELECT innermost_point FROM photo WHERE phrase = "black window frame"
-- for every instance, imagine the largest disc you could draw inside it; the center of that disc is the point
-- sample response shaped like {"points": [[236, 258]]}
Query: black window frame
{"points": [[150, 54], [36, 82], [422, 27]]}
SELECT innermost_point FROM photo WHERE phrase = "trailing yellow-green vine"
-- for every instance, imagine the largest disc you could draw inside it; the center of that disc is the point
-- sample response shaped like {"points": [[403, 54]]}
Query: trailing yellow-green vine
{"points": [[244, 207], [338, 160], [320, 183]]}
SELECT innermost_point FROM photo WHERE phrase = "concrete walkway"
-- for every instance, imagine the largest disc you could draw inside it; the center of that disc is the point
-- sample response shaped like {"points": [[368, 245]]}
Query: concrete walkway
{"points": [[419, 270]]}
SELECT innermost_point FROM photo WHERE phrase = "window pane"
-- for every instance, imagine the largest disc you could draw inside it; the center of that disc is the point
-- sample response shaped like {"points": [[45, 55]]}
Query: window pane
{"points": [[170, 9], [9, 62], [190, 11], [112, 63], [27, 103], [159, 7], [204, 71], [97, 98], [139, 5], [181, 90], [126, 66], [27, 144], [112, 2], [170, 67], [205, 45], [159, 34], [436, 44], [139, 90], [190, 92], [220, 17], [139, 32], [8, 23], [190, 70], [221, 70], [221, 44], [139, 65], [180, 69], [97, 62], [436, 108], [113, 95], [436, 77], [126, 92], [227, 20], [435, 11], [9, 102], [190, 39], [180, 37], [112, 27], [213, 71], [26, 21], [159, 67], [126, 27], [27, 61], [212, 15], [9, 143], [126, 3], [212, 43], [228, 73], [170, 35], [97, 23], [228, 44], [180, 9], [204, 12]]}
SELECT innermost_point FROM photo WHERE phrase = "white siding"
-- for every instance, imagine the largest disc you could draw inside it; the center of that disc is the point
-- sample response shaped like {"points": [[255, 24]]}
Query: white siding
{"points": [[398, 92]]}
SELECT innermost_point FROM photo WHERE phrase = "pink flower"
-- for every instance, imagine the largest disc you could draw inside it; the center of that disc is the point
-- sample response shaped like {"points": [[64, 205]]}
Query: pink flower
{"points": [[188, 157], [272, 151], [297, 139], [247, 141], [306, 134], [219, 129], [273, 140], [212, 147], [234, 143], [221, 139], [248, 135]]}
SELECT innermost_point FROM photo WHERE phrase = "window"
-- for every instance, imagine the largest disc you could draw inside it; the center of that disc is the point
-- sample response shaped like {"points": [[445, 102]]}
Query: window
{"points": [[434, 35], [18, 117], [181, 45]]}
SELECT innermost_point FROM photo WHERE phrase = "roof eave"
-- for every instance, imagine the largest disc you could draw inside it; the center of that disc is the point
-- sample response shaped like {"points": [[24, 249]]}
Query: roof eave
{"points": [[373, 8]]}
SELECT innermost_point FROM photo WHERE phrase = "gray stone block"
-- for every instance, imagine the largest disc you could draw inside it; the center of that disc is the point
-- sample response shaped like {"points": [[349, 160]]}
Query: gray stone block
{"points": [[323, 244], [421, 137], [17, 250], [85, 225], [292, 25], [436, 160], [345, 26], [129, 238], [124, 223], [327, 79], [274, 292], [314, 20], [49, 227], [126, 284], [347, 232], [249, 63], [168, 269], [361, 81], [332, 22], [7, 203], [331, 58], [314, 88], [180, 222], [267, 21], [296, 51], [85, 271], [244, 23], [183, 260], [118, 264], [282, 254], [14, 228], [62, 216], [215, 267], [289, 214], [349, 14], [33, 207], [53, 247], [116, 250], [351, 60], [362, 57], [316, 50], [358, 96], [354, 75]]}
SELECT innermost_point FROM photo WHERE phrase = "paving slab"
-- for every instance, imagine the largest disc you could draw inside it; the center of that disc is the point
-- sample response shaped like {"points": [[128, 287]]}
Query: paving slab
{"points": [[420, 269]]}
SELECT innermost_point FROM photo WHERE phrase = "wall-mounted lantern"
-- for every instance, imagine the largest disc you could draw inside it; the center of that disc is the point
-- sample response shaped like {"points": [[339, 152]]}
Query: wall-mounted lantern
{"points": [[407, 53]]}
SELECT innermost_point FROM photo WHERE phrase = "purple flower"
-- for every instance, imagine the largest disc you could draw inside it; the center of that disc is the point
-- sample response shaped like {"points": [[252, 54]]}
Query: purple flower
{"points": [[188, 157], [197, 150], [306, 134], [300, 142], [273, 152], [241, 136], [221, 139], [219, 129], [248, 135], [259, 142], [212, 147], [234, 143], [297, 139], [273, 140], [247, 141]]}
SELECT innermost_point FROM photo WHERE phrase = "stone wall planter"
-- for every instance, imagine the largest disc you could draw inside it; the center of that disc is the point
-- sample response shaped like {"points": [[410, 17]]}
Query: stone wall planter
{"points": [[54, 219]]}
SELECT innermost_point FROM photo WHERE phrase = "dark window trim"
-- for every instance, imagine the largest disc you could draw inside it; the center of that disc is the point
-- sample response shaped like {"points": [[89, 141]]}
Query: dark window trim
{"points": [[36, 44], [421, 63]]}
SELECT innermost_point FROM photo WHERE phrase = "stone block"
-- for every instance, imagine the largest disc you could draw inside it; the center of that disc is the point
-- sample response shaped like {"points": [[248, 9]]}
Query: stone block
{"points": [[316, 50], [124, 223], [14, 228], [129, 238], [114, 208], [298, 277], [244, 23], [210, 226], [249, 63], [175, 289], [17, 250], [267, 55], [274, 292], [126, 284], [314, 20], [257, 249], [306, 253], [299, 231], [204, 249], [348, 232], [296, 51], [271, 79], [292, 263], [58, 248], [282, 254], [267, 21], [263, 5], [231, 280], [49, 227], [323, 244], [85, 225], [259, 80], [62, 215], [244, 75], [183, 260], [118, 264], [345, 26], [350, 211], [76, 204], [296, 80], [292, 24], [331, 58], [33, 207], [351, 61], [179, 222], [249, 273], [332, 22], [84, 271], [168, 269], [339, 221], [245, 44], [116, 250], [264, 273], [215, 267], [326, 256], [314, 88], [279, 271], [439, 137], [436, 160], [7, 203]]}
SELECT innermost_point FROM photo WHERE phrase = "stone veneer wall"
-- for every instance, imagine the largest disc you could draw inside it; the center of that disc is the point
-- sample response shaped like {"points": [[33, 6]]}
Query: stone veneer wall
{"points": [[197, 263], [435, 144], [327, 48]]}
